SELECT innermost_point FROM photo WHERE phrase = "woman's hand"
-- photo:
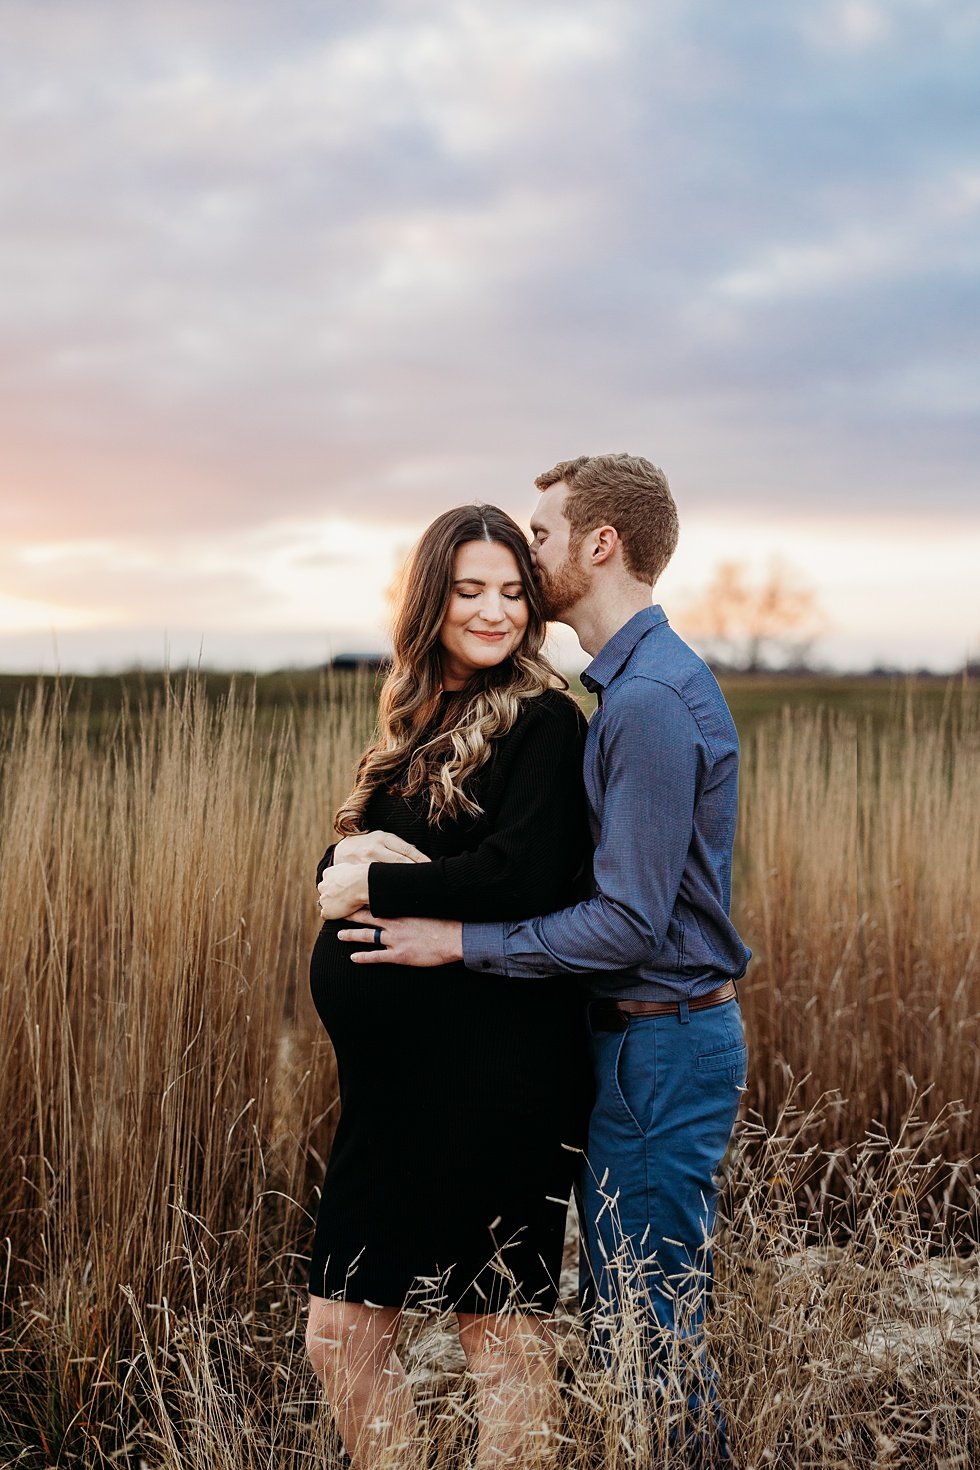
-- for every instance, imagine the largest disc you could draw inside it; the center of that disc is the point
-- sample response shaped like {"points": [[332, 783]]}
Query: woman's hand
{"points": [[344, 886], [343, 890], [376, 847]]}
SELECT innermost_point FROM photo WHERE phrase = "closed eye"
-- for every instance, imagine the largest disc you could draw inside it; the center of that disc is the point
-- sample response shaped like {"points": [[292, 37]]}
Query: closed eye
{"points": [[509, 596]]}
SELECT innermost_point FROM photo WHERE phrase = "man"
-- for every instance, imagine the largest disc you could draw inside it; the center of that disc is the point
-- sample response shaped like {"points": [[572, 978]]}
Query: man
{"points": [[655, 942]]}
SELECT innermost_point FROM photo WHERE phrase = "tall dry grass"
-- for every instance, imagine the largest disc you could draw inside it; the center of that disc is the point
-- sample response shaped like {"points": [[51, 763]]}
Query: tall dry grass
{"points": [[859, 889], [167, 1098], [156, 919]]}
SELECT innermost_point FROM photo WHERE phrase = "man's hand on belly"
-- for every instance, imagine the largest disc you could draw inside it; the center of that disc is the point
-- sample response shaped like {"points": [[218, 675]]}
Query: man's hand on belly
{"points": [[415, 942]]}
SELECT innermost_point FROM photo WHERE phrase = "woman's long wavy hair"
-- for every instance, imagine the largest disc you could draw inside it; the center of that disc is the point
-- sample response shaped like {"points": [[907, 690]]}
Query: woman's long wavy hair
{"points": [[421, 746]]}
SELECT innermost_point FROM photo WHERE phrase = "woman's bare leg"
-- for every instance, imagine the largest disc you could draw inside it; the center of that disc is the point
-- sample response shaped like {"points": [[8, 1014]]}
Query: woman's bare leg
{"points": [[351, 1349], [512, 1359]]}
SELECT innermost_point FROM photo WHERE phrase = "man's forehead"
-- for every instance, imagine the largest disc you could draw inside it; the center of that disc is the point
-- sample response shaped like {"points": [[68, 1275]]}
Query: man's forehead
{"points": [[549, 505]]}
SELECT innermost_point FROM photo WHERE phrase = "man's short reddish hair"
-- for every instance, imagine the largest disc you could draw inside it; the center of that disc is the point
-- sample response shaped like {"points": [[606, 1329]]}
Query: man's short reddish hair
{"points": [[625, 491]]}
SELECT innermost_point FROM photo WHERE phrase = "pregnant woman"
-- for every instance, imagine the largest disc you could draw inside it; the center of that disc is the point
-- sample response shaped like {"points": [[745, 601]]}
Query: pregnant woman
{"points": [[463, 1097]]}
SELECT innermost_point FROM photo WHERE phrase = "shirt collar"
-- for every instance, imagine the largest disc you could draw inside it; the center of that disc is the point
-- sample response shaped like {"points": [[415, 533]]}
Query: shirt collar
{"points": [[614, 653]]}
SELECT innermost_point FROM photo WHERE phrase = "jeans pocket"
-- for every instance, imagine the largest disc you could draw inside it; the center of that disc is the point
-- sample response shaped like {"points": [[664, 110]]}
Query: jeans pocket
{"points": [[733, 1062], [634, 1082]]}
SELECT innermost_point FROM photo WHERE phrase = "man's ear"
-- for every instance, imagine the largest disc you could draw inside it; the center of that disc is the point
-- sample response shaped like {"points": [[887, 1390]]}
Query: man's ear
{"points": [[604, 542]]}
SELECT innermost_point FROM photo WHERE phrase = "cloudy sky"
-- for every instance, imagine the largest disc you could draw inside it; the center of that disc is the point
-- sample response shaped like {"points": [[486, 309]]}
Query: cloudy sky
{"points": [[279, 282]]}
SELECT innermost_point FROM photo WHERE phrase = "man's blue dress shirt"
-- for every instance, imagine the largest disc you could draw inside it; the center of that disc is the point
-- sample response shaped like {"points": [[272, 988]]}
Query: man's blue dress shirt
{"points": [[661, 775]]}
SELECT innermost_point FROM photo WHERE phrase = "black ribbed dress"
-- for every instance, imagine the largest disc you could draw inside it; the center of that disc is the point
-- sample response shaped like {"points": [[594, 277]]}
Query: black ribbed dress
{"points": [[463, 1096]]}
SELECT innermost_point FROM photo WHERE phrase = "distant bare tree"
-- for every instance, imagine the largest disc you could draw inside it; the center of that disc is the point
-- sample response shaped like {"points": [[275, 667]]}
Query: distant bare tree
{"points": [[752, 624]]}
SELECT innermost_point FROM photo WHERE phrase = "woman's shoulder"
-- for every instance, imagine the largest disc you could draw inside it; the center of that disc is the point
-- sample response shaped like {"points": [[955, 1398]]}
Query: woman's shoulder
{"points": [[543, 749], [557, 709]]}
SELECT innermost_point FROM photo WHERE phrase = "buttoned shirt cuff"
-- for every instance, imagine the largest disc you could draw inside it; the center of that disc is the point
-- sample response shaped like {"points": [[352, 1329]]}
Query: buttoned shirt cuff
{"points": [[485, 947]]}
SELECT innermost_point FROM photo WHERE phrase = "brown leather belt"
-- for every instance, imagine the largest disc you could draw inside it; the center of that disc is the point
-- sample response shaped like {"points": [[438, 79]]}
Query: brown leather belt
{"points": [[614, 1015]]}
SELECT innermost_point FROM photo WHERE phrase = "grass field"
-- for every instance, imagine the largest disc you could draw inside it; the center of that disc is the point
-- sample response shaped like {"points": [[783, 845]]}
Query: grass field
{"points": [[168, 1097], [752, 697]]}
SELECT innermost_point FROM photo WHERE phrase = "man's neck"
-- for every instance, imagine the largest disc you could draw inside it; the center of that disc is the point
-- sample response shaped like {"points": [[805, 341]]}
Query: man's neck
{"points": [[595, 621]]}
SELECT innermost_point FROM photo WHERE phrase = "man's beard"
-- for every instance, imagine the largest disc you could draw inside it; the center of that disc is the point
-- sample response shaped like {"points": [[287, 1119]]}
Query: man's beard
{"points": [[561, 589]]}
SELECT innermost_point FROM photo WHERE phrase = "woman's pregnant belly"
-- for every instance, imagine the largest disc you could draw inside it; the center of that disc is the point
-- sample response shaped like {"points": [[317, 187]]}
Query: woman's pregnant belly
{"points": [[388, 1024], [346, 995], [448, 1036]]}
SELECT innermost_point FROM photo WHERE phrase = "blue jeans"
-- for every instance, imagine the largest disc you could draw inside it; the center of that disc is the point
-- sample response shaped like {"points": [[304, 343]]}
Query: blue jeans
{"points": [[667, 1094]]}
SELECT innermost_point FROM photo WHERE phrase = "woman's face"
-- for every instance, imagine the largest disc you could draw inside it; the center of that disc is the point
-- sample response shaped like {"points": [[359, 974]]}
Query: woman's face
{"points": [[487, 614]]}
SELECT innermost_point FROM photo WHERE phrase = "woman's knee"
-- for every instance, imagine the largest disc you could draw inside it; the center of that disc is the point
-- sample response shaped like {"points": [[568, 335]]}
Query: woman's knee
{"points": [[325, 1329], [498, 1343], [341, 1336]]}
